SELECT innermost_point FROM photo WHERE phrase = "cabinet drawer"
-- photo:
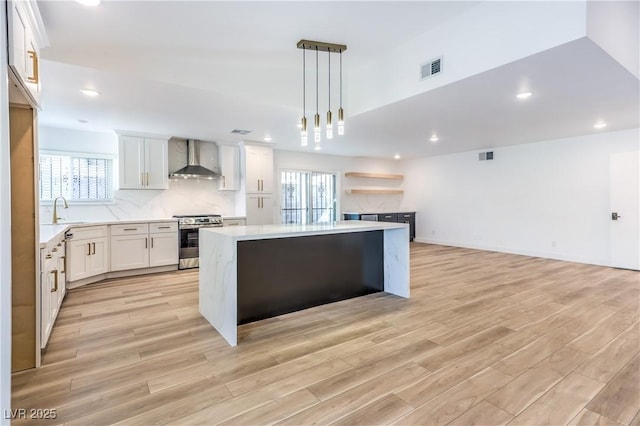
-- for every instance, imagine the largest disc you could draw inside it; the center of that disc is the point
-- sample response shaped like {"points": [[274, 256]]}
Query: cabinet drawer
{"points": [[234, 222], [86, 232], [130, 229], [387, 217], [161, 227]]}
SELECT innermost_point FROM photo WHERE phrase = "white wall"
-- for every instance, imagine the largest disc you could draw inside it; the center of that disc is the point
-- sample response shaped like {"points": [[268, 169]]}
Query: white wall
{"points": [[547, 199], [182, 197], [5, 230], [614, 26], [291, 160]]}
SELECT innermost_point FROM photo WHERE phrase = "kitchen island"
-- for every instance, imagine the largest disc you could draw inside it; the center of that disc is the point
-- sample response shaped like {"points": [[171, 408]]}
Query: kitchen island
{"points": [[248, 273]]}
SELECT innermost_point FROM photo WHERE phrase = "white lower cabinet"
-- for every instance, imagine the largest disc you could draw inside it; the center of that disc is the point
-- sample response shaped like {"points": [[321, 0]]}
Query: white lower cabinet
{"points": [[87, 252], [52, 286], [143, 245]]}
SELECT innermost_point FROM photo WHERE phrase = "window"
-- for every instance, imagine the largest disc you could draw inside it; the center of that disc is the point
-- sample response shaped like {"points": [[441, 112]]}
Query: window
{"points": [[308, 197], [77, 177]]}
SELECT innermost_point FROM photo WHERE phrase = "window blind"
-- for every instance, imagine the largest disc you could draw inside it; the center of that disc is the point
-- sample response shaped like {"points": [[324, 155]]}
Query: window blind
{"points": [[76, 178]]}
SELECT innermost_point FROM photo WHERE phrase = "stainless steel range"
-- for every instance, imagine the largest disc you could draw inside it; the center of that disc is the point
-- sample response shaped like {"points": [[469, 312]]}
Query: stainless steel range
{"points": [[188, 228]]}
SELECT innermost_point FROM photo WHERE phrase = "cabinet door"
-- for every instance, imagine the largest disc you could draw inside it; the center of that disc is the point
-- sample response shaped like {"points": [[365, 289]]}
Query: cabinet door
{"points": [[156, 164], [163, 249], [266, 164], [78, 252], [17, 39], [98, 261], [131, 162], [129, 252], [259, 209], [259, 173], [229, 159], [253, 169], [45, 289]]}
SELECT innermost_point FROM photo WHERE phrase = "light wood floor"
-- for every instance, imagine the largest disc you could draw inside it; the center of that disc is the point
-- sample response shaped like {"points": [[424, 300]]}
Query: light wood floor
{"points": [[486, 338]]}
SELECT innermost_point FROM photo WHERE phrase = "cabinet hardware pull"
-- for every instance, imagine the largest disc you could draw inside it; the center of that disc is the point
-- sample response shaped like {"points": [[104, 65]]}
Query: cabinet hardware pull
{"points": [[146, 243], [141, 179], [258, 184], [48, 256], [89, 248], [64, 261], [130, 229], [164, 227], [55, 280], [35, 78], [147, 179], [94, 248], [224, 182], [151, 242], [54, 249]]}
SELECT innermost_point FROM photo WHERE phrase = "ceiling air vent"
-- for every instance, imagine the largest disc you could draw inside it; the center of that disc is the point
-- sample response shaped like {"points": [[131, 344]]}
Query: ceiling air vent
{"points": [[430, 68], [240, 132]]}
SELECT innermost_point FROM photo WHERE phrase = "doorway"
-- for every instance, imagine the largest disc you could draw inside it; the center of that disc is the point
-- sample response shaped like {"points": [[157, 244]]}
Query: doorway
{"points": [[307, 197]]}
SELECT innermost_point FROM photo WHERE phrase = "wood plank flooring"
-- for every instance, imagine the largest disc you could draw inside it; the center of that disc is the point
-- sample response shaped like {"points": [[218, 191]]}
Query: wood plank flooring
{"points": [[486, 338]]}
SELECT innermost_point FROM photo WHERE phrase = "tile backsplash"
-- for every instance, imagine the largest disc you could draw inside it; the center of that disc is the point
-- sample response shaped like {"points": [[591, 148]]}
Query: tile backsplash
{"points": [[182, 197]]}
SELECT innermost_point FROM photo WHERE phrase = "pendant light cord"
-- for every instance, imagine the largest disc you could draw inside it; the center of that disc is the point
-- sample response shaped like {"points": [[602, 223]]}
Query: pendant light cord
{"points": [[329, 56], [316, 79], [304, 82], [340, 78]]}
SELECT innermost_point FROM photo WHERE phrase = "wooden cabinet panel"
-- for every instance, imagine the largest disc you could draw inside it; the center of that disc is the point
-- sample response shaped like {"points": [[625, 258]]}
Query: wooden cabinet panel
{"points": [[229, 159], [163, 249], [24, 244], [129, 252]]}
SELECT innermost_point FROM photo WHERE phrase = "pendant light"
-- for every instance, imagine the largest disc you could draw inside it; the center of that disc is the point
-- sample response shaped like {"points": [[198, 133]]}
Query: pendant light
{"points": [[329, 118], [304, 140], [316, 128], [317, 135], [340, 110]]}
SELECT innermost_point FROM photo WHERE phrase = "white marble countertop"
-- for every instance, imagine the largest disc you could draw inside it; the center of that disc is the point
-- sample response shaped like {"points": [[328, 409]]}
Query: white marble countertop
{"points": [[263, 232], [50, 231]]}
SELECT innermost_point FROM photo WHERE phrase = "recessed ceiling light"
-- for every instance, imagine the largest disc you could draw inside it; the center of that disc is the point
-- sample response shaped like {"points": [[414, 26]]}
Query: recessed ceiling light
{"points": [[88, 2], [397, 156], [90, 92], [267, 138], [600, 125], [434, 138], [523, 95]]}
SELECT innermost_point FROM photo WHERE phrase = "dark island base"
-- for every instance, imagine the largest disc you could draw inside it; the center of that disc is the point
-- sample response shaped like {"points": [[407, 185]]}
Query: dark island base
{"points": [[306, 271]]}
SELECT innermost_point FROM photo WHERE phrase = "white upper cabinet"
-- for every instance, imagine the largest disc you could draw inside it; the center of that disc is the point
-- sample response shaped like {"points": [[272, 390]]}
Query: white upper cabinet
{"points": [[229, 159], [259, 163], [26, 37], [143, 162]]}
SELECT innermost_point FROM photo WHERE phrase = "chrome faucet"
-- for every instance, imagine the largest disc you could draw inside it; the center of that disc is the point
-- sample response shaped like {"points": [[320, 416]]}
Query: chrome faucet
{"points": [[55, 208]]}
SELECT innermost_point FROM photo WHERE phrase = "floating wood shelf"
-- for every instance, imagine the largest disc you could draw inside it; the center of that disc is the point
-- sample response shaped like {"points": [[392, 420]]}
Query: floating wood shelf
{"points": [[375, 191], [373, 175]]}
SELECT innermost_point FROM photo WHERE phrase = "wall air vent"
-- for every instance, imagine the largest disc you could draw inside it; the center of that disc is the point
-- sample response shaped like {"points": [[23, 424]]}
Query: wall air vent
{"points": [[430, 68], [240, 132]]}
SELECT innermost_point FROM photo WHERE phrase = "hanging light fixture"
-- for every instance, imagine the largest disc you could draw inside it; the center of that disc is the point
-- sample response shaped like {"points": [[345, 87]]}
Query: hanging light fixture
{"points": [[316, 128], [317, 134], [329, 118], [340, 110], [304, 140]]}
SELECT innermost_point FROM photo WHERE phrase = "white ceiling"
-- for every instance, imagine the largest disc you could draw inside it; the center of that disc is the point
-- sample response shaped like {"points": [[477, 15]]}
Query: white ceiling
{"points": [[200, 69]]}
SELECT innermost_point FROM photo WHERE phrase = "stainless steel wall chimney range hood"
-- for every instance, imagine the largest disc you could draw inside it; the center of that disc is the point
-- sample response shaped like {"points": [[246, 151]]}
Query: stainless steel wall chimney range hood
{"points": [[194, 170]]}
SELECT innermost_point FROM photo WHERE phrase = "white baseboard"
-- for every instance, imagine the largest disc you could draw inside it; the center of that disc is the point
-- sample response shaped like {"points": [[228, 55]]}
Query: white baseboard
{"points": [[519, 251]]}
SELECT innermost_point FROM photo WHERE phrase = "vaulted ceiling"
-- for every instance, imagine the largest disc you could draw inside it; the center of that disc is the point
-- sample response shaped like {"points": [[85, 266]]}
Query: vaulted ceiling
{"points": [[200, 69]]}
